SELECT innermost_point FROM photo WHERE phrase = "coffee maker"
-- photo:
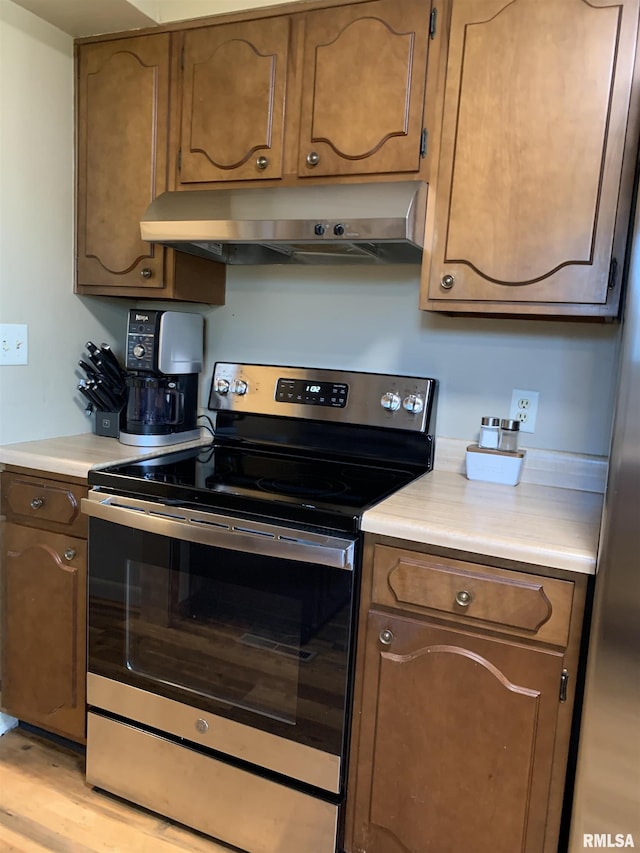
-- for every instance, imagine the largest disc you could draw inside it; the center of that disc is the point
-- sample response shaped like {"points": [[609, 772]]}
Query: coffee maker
{"points": [[163, 359]]}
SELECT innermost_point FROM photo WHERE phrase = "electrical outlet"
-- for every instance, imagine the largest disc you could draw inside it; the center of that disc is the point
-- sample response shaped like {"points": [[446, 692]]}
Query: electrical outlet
{"points": [[13, 344], [524, 408]]}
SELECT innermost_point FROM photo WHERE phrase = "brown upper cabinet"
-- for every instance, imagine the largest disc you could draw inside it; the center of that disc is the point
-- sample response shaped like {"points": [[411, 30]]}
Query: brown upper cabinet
{"points": [[363, 87], [122, 149], [324, 93], [233, 100], [531, 205]]}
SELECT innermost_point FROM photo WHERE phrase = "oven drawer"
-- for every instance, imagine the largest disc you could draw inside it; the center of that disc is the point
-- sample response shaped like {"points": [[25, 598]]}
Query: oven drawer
{"points": [[223, 801], [513, 602], [40, 502]]}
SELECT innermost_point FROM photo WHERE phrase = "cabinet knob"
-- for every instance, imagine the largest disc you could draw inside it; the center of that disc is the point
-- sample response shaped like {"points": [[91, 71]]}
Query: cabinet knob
{"points": [[386, 637], [70, 553], [464, 598], [36, 503], [146, 273], [447, 281], [313, 158], [262, 162]]}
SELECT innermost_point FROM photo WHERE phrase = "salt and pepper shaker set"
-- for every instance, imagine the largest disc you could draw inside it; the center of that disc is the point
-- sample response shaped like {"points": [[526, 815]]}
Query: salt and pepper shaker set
{"points": [[496, 434]]}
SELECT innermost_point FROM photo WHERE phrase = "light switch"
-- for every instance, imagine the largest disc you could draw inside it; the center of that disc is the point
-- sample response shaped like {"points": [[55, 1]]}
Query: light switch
{"points": [[14, 344]]}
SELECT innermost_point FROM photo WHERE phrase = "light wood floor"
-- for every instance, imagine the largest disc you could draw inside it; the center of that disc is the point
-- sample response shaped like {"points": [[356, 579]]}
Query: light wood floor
{"points": [[45, 805]]}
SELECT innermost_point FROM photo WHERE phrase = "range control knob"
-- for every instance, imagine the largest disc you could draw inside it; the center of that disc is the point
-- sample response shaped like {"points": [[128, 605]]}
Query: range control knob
{"points": [[390, 401], [338, 230], [413, 403], [139, 351], [319, 229], [239, 386], [222, 386]]}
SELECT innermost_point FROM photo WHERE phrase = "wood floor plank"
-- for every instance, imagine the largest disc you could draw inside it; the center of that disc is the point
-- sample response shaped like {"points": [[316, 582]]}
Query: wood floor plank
{"points": [[12, 842], [46, 805]]}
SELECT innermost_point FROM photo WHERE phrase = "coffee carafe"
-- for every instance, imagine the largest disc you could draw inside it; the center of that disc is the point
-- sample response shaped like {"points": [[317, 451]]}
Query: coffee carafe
{"points": [[164, 357]]}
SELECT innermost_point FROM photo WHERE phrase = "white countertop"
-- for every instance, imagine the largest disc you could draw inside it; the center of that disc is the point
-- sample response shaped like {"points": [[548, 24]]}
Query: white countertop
{"points": [[75, 455], [543, 525]]}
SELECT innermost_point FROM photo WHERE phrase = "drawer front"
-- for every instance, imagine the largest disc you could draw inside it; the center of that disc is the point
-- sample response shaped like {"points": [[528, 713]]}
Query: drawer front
{"points": [[50, 504], [513, 602]]}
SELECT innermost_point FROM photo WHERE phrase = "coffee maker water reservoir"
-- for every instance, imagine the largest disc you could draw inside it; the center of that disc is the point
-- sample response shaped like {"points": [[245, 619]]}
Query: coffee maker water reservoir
{"points": [[163, 359]]}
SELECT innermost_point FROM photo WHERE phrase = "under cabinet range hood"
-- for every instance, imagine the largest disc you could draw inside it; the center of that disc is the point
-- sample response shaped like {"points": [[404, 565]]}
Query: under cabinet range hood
{"points": [[381, 223]]}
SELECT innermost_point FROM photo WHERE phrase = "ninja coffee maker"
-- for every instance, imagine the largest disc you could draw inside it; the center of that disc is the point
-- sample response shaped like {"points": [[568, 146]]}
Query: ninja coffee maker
{"points": [[164, 357]]}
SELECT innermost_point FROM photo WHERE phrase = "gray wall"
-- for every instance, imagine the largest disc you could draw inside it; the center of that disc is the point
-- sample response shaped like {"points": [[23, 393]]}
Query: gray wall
{"points": [[368, 319], [37, 400]]}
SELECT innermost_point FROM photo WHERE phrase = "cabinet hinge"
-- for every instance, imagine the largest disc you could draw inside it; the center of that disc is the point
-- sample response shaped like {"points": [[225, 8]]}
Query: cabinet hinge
{"points": [[613, 272], [432, 23], [564, 680], [423, 142], [182, 59], [180, 159]]}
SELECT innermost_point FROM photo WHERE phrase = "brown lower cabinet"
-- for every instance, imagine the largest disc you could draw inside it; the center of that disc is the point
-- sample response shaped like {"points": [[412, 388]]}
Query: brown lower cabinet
{"points": [[464, 697], [44, 582]]}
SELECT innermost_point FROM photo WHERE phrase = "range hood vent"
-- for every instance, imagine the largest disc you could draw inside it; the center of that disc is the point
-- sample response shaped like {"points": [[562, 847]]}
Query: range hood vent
{"points": [[380, 223]]}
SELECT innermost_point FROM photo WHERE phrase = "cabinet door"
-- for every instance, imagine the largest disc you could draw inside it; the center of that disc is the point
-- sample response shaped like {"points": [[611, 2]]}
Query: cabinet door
{"points": [[534, 127], [123, 102], [44, 633], [233, 92], [456, 741], [363, 88]]}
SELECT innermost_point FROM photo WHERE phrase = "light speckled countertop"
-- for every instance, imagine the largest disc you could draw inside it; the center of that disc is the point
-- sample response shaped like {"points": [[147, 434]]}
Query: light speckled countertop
{"points": [[75, 455], [546, 525]]}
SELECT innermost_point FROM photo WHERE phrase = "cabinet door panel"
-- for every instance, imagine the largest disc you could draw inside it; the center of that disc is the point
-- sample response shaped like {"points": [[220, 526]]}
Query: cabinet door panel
{"points": [[363, 88], [44, 634], [536, 103], [233, 101], [456, 741], [122, 149]]}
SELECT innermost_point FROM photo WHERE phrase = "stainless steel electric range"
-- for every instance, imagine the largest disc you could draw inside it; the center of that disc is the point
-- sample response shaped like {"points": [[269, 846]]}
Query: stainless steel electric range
{"points": [[223, 591]]}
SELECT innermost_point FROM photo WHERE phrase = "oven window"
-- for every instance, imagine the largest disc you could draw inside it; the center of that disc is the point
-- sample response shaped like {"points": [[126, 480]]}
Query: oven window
{"points": [[262, 640]]}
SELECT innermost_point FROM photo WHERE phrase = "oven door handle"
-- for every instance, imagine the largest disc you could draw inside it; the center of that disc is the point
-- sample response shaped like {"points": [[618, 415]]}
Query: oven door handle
{"points": [[221, 531]]}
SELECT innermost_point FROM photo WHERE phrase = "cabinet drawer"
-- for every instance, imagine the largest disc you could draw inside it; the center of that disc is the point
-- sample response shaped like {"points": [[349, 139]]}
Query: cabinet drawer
{"points": [[39, 502], [517, 603]]}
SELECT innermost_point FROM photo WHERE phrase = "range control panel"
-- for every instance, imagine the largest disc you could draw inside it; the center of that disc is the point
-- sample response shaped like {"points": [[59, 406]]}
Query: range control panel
{"points": [[371, 399], [312, 392]]}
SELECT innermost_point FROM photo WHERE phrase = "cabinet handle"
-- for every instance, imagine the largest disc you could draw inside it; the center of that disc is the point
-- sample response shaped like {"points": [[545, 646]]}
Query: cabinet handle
{"points": [[447, 281], [36, 503], [262, 162], [313, 158], [464, 598], [386, 637], [146, 273], [70, 553]]}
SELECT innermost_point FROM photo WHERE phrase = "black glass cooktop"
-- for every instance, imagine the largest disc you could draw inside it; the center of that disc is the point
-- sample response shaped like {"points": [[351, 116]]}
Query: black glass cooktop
{"points": [[299, 487]]}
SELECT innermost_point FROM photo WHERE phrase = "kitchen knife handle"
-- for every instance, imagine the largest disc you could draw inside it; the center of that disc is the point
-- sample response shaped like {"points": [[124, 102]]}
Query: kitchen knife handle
{"points": [[88, 368], [110, 357]]}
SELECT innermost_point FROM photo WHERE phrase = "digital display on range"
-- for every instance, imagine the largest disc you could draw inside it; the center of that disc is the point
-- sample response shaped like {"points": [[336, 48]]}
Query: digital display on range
{"points": [[308, 392]]}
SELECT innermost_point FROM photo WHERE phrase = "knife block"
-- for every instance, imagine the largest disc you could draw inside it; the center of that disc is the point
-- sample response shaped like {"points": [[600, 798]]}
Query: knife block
{"points": [[108, 423]]}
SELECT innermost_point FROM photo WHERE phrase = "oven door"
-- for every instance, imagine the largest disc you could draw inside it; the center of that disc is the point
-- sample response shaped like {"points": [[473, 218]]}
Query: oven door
{"points": [[232, 634]]}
